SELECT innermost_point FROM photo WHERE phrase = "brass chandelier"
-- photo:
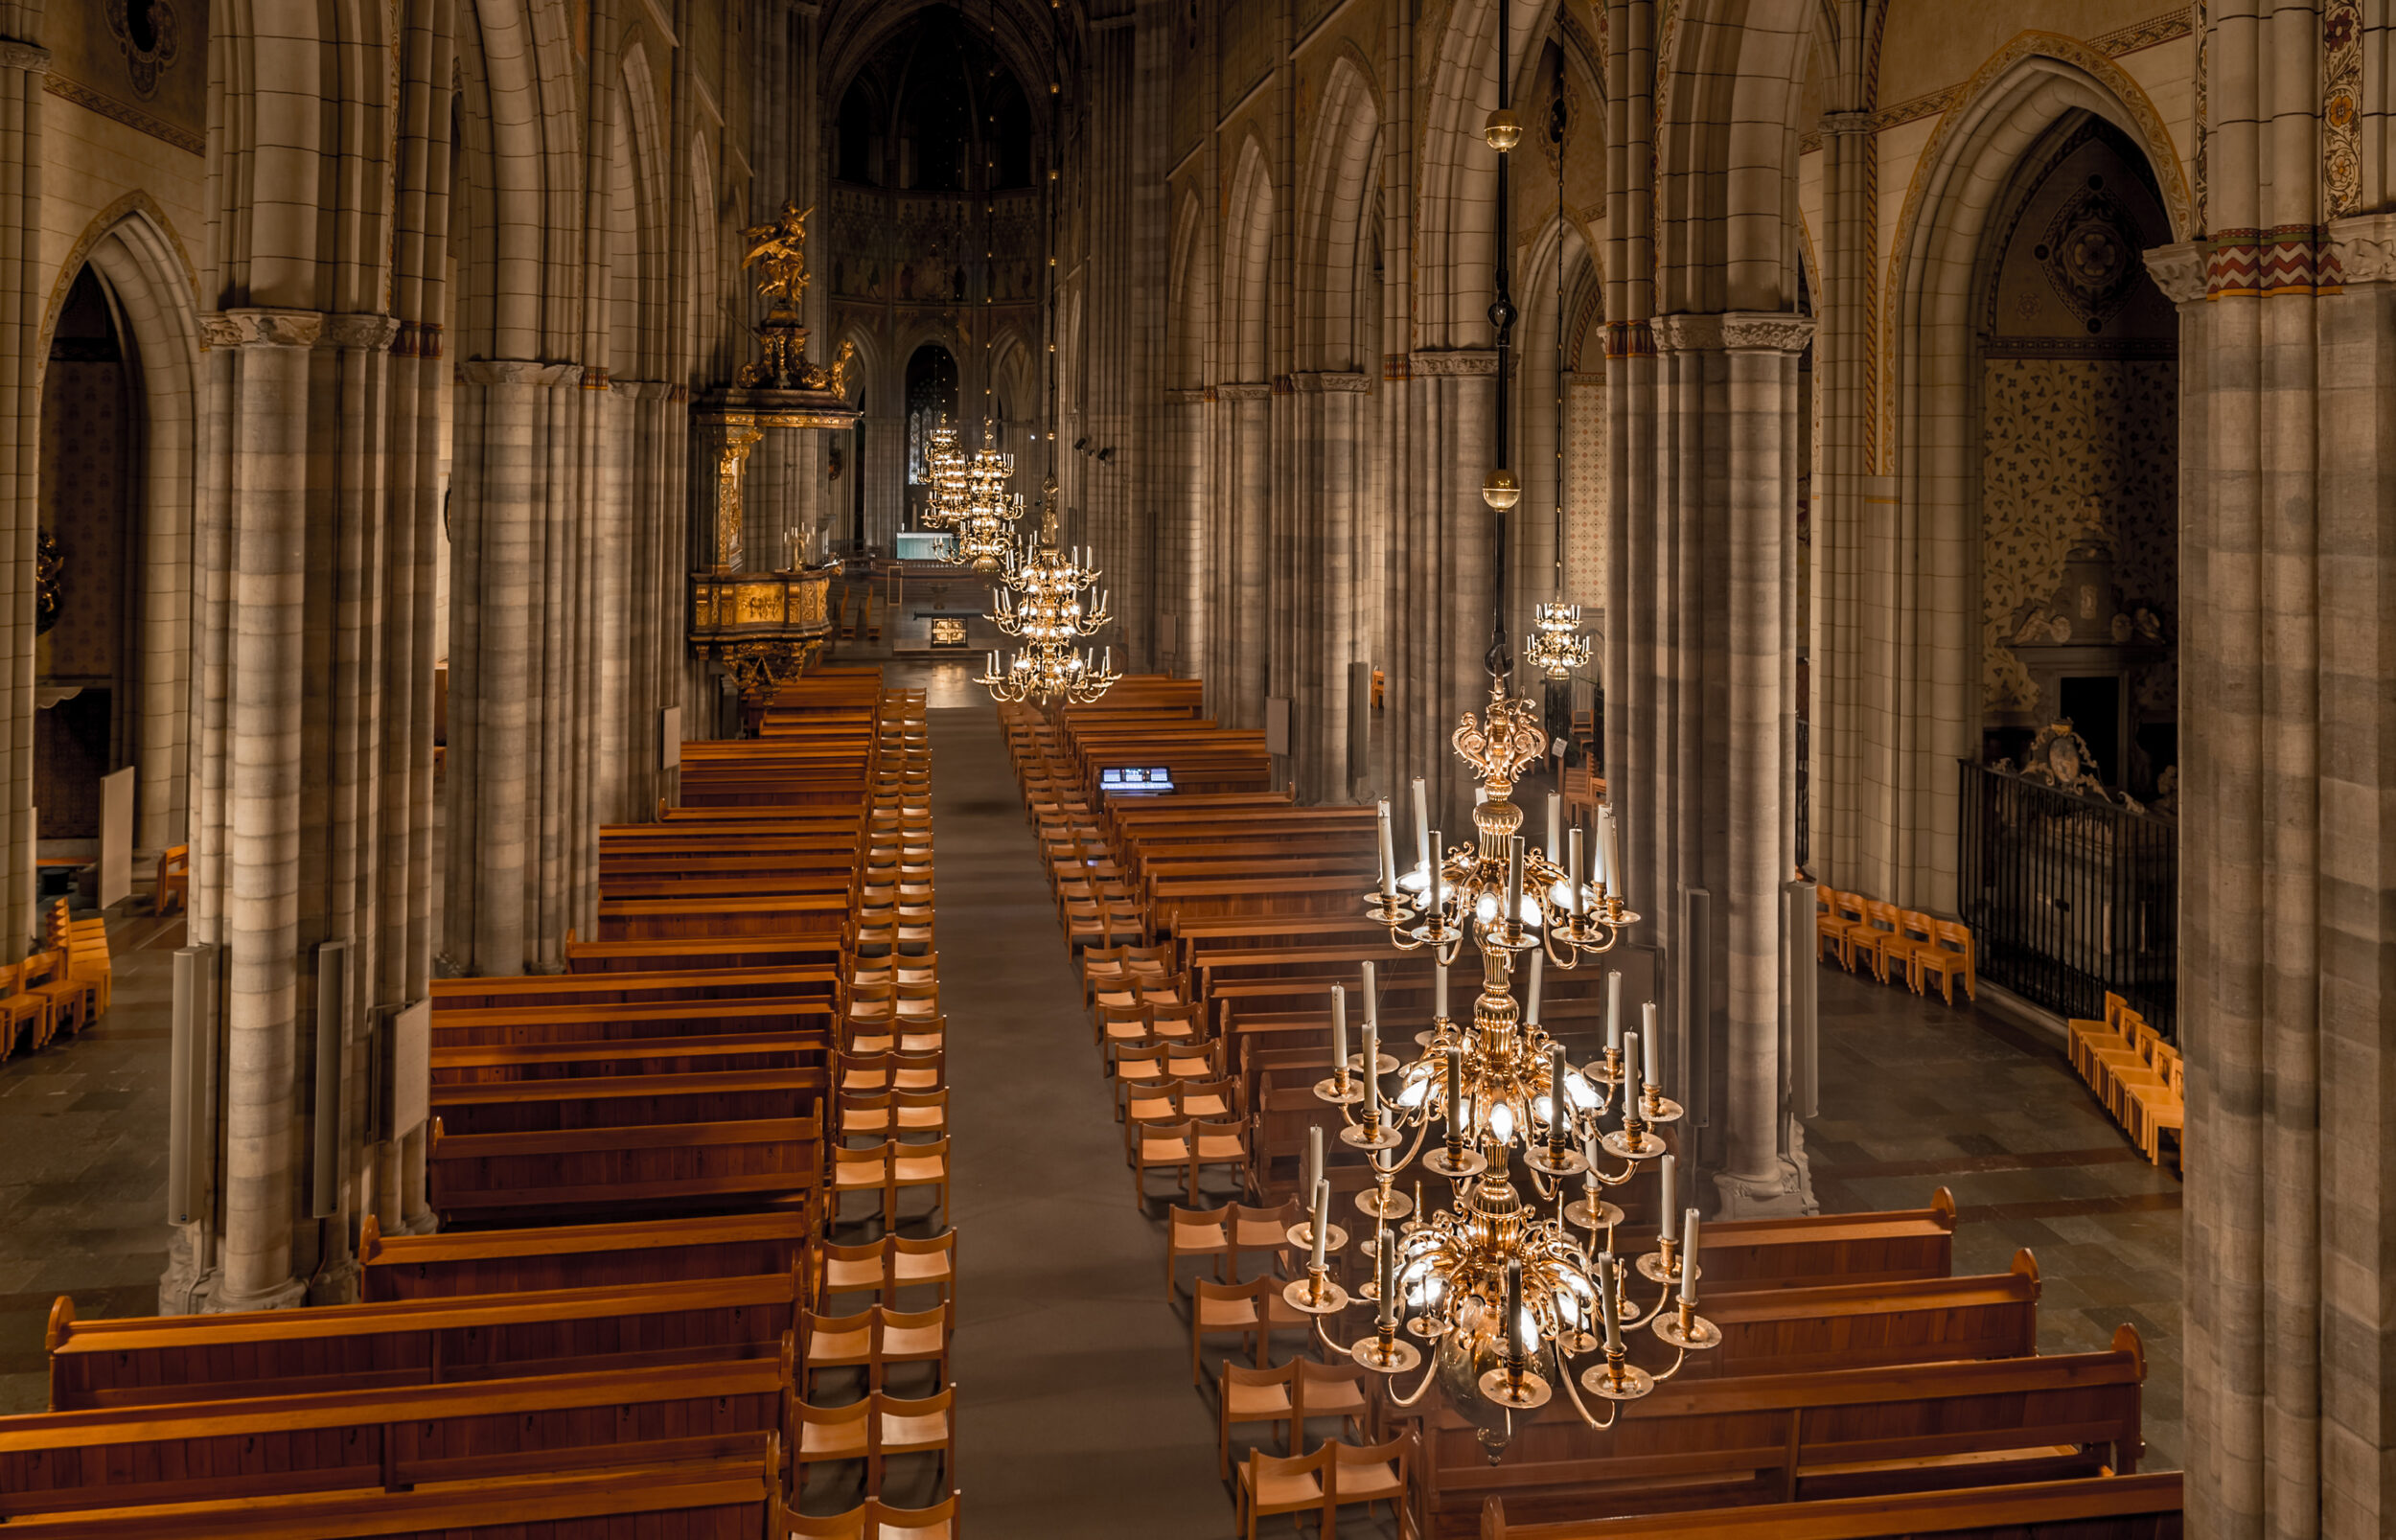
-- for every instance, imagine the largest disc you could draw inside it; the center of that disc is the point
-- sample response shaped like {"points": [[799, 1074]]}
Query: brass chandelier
{"points": [[1516, 1279], [1050, 600], [1048, 597], [1556, 646], [986, 530], [945, 470]]}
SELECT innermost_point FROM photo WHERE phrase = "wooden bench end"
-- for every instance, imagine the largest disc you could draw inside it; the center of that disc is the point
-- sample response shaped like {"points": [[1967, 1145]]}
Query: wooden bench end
{"points": [[1943, 1205], [61, 1324]]}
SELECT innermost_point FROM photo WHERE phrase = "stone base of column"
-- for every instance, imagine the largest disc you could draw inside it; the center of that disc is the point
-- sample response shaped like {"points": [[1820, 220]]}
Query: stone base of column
{"points": [[343, 1282], [1785, 1192], [183, 1288], [288, 1294]]}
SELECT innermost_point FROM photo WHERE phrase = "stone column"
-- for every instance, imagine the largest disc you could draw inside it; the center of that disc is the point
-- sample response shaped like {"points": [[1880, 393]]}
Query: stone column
{"points": [[267, 456], [1835, 749], [499, 871], [1248, 423], [24, 296], [1727, 469]]}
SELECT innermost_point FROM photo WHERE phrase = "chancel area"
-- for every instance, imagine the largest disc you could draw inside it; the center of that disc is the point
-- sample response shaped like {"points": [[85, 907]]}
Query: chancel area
{"points": [[889, 770]]}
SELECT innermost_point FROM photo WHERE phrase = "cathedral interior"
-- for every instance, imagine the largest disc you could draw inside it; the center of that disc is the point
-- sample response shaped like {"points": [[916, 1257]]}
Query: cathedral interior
{"points": [[677, 677]]}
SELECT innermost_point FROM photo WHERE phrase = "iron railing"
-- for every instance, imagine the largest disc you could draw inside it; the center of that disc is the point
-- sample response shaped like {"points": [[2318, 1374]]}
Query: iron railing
{"points": [[2069, 897]]}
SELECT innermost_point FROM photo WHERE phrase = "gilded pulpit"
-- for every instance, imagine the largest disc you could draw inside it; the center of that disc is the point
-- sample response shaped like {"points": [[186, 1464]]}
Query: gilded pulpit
{"points": [[760, 597]]}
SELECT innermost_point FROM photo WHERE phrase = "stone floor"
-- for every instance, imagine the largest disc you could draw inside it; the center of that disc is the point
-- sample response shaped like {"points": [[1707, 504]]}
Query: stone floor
{"points": [[83, 1162], [1068, 1358], [1917, 1094]]}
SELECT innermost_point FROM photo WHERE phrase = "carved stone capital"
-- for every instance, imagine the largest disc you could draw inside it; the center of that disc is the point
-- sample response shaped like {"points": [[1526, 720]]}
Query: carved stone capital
{"points": [[29, 58], [517, 372], [2177, 270], [262, 328], [1734, 332], [1244, 390], [358, 329], [1323, 381], [1186, 396], [1846, 122], [2365, 248], [1456, 361]]}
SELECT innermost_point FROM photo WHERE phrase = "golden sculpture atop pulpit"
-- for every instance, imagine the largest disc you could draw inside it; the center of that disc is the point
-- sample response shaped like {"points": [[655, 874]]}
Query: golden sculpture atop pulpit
{"points": [[778, 250]]}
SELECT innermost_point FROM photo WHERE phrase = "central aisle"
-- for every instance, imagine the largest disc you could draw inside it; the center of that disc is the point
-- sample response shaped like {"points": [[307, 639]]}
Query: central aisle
{"points": [[1075, 1415]]}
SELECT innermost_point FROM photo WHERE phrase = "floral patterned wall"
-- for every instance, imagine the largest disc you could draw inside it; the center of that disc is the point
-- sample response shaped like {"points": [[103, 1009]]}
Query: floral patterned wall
{"points": [[1585, 493], [2076, 451]]}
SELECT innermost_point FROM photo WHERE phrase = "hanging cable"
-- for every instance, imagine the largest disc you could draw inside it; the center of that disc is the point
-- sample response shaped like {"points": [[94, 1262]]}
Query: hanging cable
{"points": [[1502, 132]]}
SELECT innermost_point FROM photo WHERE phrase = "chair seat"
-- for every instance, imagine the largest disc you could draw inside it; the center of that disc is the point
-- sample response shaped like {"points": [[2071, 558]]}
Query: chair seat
{"points": [[840, 1275], [839, 1350], [1195, 1239], [1370, 1483], [914, 1168], [1257, 1403], [836, 1441], [1338, 1398], [1278, 1492], [1214, 1106], [1222, 1147], [901, 1434], [913, 1342], [857, 1176], [1225, 1315], [1164, 1150]]}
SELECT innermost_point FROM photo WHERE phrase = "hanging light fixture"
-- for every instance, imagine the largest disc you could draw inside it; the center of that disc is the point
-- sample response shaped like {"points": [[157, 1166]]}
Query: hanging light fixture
{"points": [[945, 470], [986, 526], [1048, 597], [1557, 647], [1504, 1290]]}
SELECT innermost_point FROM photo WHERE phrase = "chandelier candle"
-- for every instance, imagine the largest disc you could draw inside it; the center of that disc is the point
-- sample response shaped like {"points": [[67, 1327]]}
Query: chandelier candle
{"points": [[1556, 821], [1321, 1218], [1339, 1037], [1439, 990], [1455, 1092], [1688, 1268], [1389, 856], [1664, 1200], [1609, 1306], [1530, 1004], [1423, 832], [1613, 1012], [1572, 864], [1372, 1075], [1611, 852], [1386, 1275], [1646, 1063], [1314, 1160]]}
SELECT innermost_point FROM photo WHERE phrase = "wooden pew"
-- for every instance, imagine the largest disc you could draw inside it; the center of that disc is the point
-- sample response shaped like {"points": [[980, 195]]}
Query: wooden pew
{"points": [[611, 988], [615, 1169], [708, 955], [1847, 1326], [2094, 1507], [567, 1256], [617, 1102], [1775, 1438], [642, 919], [385, 1439], [721, 1499], [159, 1360], [795, 1018], [1886, 1246]]}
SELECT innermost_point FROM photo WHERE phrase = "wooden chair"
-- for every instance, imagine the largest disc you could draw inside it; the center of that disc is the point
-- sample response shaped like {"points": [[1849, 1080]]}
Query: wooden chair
{"points": [[2133, 1056], [73, 1002], [1828, 925], [1324, 1481], [1914, 931], [888, 1169], [872, 1340], [1846, 914], [1245, 1394], [2154, 1109], [894, 1113], [1194, 1232], [1252, 1311], [937, 1522], [873, 1072], [1164, 1143], [2152, 1078], [926, 1426], [1948, 954], [20, 1009], [888, 1266], [1870, 939], [1219, 1143], [2084, 1037], [175, 877]]}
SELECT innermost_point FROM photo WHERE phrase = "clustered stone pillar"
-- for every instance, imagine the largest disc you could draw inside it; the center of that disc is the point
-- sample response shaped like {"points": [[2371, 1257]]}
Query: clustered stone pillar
{"points": [[24, 293], [1716, 548]]}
